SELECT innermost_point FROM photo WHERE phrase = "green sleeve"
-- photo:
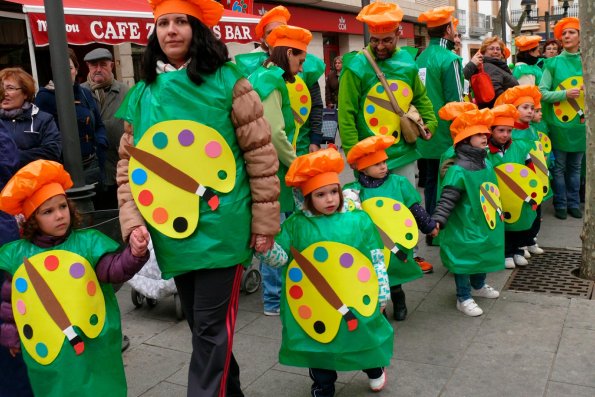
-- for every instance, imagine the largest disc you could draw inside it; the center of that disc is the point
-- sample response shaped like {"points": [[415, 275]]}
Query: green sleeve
{"points": [[452, 81], [274, 115], [349, 86], [5, 258], [545, 86], [423, 105]]}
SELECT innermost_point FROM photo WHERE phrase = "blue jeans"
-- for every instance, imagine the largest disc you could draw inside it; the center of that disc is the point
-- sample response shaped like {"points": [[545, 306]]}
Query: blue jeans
{"points": [[272, 282], [464, 282], [567, 179]]}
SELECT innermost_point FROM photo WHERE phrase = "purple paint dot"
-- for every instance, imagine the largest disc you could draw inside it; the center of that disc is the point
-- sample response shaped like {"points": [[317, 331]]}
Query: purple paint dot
{"points": [[397, 207], [346, 260], [394, 87], [77, 270], [524, 173], [186, 138]]}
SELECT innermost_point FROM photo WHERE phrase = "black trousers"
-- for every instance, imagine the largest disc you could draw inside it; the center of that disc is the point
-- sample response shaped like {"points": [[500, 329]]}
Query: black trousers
{"points": [[431, 188], [514, 240], [324, 380], [209, 299]]}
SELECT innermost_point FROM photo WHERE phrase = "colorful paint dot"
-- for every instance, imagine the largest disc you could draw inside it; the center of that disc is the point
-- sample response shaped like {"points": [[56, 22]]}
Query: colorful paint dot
{"points": [[408, 222], [485, 209], [370, 109], [41, 349], [160, 215], [346, 260], [299, 87], [94, 319], [492, 224], [573, 82], [482, 199], [305, 312], [492, 189], [397, 206], [91, 288], [486, 186], [533, 183], [21, 285], [320, 254], [363, 274], [509, 168], [366, 300], [213, 149], [533, 194], [145, 198], [139, 176], [524, 173], [558, 112], [295, 274], [296, 292], [304, 99], [186, 137], [373, 121], [379, 203], [77, 270], [160, 140], [180, 224], [303, 111], [394, 87], [383, 130], [405, 92], [556, 103], [51, 262], [409, 236], [21, 307], [379, 89], [28, 331], [487, 217], [222, 175], [319, 327]]}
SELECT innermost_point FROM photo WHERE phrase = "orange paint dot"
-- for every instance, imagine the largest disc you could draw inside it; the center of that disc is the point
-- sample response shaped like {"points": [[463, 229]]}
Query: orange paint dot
{"points": [[299, 87], [558, 112], [384, 130], [91, 288], [160, 215], [305, 312]]}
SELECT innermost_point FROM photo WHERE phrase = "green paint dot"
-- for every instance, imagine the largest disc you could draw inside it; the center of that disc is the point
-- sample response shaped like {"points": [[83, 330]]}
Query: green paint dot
{"points": [[320, 254], [533, 183], [379, 203], [222, 175], [366, 299], [94, 319], [409, 236], [160, 140]]}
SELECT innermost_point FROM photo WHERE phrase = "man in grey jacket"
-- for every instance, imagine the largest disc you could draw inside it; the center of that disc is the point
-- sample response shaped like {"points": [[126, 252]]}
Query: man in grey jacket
{"points": [[109, 94]]}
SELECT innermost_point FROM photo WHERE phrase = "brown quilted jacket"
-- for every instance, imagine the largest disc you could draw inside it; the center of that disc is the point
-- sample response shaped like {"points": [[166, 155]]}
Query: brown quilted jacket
{"points": [[254, 138]]}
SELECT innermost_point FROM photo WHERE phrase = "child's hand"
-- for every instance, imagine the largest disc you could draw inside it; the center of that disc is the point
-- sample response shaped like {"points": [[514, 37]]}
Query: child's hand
{"points": [[139, 241], [14, 351], [262, 243], [436, 230]]}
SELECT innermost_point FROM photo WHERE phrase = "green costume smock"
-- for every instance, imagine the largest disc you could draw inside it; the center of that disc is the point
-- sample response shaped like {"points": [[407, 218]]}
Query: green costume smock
{"points": [[364, 108], [443, 73], [398, 188], [174, 98], [522, 69], [468, 244], [68, 270], [565, 117], [317, 336]]}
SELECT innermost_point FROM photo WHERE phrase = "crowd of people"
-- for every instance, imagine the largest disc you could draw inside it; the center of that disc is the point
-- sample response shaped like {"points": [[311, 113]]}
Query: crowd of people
{"points": [[202, 143]]}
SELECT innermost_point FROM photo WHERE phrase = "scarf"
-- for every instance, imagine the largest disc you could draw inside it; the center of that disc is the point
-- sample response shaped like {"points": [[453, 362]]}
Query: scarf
{"points": [[369, 182], [163, 67], [99, 89], [14, 113]]}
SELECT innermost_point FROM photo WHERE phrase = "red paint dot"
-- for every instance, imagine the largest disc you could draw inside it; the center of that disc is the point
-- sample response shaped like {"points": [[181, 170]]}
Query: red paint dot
{"points": [[51, 262], [533, 195], [374, 122], [160, 215], [485, 209], [91, 288], [296, 292], [145, 198], [304, 99], [556, 103]]}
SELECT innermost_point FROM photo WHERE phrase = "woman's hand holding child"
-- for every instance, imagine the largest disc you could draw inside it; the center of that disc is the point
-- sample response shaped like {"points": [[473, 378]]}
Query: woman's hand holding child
{"points": [[139, 241]]}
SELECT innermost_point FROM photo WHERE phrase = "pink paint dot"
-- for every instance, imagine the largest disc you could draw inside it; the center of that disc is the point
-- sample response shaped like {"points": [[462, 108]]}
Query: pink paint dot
{"points": [[21, 307], [509, 168], [213, 149], [363, 274], [305, 312], [405, 92], [408, 222]]}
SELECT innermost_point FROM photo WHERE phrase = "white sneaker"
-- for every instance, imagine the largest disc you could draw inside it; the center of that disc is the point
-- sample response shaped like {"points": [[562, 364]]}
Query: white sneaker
{"points": [[509, 263], [520, 260], [469, 307], [486, 292], [378, 383], [535, 249], [526, 253]]}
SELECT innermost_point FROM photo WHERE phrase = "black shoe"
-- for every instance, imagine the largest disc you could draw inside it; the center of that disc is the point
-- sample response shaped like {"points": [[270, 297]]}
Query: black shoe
{"points": [[125, 342], [575, 213], [400, 314], [397, 295], [560, 213], [429, 240]]}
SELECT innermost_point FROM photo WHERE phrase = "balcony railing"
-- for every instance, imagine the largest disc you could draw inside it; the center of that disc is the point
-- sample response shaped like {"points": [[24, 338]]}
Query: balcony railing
{"points": [[572, 10], [480, 24], [461, 15]]}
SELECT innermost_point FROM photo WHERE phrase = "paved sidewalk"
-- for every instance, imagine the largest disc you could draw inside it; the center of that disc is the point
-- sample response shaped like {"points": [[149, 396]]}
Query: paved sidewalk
{"points": [[524, 345]]}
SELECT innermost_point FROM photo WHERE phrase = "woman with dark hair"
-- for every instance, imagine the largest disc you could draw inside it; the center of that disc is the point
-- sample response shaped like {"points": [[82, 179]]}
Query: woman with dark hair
{"points": [[332, 83], [552, 48], [196, 119], [526, 69]]}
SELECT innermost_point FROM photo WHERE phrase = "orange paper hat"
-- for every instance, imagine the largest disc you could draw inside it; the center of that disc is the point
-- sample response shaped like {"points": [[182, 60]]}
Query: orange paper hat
{"points": [[32, 185], [381, 17], [370, 151], [314, 170], [466, 123], [505, 115], [277, 14], [526, 43], [455, 23], [519, 95], [289, 36], [208, 12], [566, 23], [506, 52], [437, 16]]}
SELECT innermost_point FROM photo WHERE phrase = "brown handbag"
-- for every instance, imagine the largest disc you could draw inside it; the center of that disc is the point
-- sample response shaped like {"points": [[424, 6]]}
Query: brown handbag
{"points": [[411, 122]]}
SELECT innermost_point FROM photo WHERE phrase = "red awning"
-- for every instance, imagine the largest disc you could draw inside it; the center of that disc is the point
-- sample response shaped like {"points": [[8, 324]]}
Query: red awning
{"points": [[122, 21]]}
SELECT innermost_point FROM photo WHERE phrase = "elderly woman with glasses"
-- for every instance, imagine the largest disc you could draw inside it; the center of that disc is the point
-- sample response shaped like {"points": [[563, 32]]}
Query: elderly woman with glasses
{"points": [[34, 132], [490, 55]]}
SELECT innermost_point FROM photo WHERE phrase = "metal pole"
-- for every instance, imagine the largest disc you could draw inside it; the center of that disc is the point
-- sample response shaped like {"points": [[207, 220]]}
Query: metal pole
{"points": [[547, 25], [71, 149], [366, 30], [503, 9]]}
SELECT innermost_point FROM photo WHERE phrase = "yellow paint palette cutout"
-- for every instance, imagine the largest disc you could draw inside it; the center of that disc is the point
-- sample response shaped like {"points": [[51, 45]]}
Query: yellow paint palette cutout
{"points": [[394, 218], [301, 104], [380, 117], [349, 274], [541, 169], [174, 164], [489, 198], [568, 109], [546, 143], [518, 184], [71, 280]]}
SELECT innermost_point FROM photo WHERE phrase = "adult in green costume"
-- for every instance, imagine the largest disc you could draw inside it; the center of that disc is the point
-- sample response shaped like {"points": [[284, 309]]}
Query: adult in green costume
{"points": [[563, 110], [441, 71], [193, 99], [527, 68], [471, 237]]}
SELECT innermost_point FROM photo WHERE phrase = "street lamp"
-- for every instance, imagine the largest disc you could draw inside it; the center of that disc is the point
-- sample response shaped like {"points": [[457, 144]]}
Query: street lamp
{"points": [[547, 18]]}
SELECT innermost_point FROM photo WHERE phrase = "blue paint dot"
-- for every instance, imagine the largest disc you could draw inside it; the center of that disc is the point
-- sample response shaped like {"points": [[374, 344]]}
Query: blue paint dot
{"points": [[379, 203], [320, 254], [160, 140], [573, 82], [41, 349], [379, 89], [370, 109], [303, 111], [295, 275], [21, 285], [483, 199], [139, 176]]}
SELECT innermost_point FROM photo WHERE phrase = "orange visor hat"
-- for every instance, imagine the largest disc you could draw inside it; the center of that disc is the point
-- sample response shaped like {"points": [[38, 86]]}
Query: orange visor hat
{"points": [[370, 151], [312, 171]]}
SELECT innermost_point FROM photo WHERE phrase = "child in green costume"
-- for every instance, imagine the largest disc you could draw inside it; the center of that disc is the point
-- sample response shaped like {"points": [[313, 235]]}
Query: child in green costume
{"points": [[64, 307], [335, 284], [394, 206], [471, 243]]}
